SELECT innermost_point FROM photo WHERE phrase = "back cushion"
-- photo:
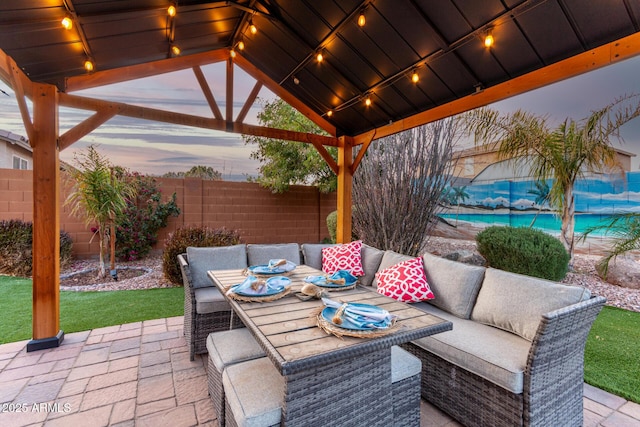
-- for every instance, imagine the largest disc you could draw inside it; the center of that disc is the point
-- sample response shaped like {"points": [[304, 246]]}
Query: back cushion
{"points": [[390, 258], [371, 258], [454, 284], [312, 254], [515, 302], [202, 260], [262, 254]]}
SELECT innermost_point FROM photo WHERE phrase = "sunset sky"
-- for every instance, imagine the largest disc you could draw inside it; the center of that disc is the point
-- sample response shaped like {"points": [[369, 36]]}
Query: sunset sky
{"points": [[156, 148]]}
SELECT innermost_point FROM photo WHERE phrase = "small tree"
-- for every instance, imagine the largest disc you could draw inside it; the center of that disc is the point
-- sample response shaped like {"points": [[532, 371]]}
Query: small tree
{"points": [[199, 171], [399, 186], [98, 195], [286, 163]]}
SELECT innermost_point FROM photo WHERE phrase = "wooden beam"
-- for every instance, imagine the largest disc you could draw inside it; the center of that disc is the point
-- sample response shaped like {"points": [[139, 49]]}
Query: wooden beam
{"points": [[149, 69], [249, 102], [204, 85], [345, 183], [46, 220], [287, 97], [13, 76], [591, 60], [85, 127], [229, 100], [361, 153], [84, 103]]}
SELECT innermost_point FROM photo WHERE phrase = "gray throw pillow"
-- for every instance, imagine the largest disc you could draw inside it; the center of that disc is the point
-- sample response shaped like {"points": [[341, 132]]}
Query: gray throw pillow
{"points": [[263, 253]]}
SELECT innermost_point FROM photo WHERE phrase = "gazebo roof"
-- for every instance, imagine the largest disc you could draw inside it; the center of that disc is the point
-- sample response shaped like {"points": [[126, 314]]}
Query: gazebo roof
{"points": [[442, 41]]}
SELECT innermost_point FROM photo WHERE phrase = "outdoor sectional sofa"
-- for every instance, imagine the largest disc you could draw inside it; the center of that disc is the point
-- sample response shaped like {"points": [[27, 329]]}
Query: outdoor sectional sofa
{"points": [[515, 354]]}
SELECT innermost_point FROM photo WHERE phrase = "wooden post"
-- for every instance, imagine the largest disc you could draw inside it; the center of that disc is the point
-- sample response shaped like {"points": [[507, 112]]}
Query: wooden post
{"points": [[345, 178], [46, 220]]}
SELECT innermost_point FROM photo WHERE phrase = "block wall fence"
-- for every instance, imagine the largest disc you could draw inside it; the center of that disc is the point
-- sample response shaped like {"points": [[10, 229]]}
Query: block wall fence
{"points": [[259, 215]]}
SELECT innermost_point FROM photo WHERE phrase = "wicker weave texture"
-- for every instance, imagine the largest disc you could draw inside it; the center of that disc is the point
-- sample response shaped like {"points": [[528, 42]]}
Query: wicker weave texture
{"points": [[406, 402], [216, 391], [357, 389]]}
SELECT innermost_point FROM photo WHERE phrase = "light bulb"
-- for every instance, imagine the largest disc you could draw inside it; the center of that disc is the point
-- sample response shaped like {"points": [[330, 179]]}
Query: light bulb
{"points": [[175, 49], [252, 28], [361, 20], [367, 101], [232, 53], [415, 77], [240, 45], [88, 65], [488, 40], [67, 23], [171, 11], [319, 57], [329, 113]]}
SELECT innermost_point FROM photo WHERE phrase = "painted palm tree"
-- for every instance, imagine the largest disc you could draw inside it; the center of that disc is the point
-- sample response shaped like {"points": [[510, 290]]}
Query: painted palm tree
{"points": [[563, 153], [98, 195], [542, 196], [459, 195]]}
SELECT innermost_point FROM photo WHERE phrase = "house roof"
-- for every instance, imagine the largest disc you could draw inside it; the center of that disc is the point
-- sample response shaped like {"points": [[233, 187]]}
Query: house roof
{"points": [[440, 40]]}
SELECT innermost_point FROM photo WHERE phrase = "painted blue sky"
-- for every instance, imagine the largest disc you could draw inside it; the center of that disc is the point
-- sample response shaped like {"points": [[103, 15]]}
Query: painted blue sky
{"points": [[156, 148]]}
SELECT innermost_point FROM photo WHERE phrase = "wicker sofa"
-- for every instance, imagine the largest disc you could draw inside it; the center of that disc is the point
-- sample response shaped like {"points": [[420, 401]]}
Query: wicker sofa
{"points": [[515, 354]]}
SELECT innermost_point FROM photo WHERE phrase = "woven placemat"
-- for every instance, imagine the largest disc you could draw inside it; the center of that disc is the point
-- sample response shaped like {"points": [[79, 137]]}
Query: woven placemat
{"points": [[258, 298], [339, 332]]}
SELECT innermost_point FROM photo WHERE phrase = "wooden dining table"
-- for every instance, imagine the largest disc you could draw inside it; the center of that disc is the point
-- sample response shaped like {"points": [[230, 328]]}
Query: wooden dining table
{"points": [[329, 380]]}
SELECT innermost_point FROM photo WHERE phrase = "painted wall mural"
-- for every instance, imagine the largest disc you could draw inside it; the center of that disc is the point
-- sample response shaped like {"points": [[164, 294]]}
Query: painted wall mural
{"points": [[521, 203]]}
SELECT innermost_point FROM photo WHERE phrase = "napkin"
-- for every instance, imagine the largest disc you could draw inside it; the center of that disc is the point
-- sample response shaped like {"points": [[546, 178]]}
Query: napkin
{"points": [[349, 279], [364, 316], [277, 283], [275, 263]]}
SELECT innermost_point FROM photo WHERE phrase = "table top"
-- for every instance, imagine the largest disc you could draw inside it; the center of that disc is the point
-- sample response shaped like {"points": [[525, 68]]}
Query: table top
{"points": [[287, 328]]}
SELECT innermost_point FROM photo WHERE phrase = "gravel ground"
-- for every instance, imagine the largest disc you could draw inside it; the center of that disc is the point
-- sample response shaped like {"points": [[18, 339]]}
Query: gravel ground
{"points": [[584, 274]]}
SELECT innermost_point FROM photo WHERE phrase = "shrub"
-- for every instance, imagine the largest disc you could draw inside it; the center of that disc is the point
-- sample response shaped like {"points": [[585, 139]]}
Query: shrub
{"points": [[16, 248], [179, 240], [332, 225], [144, 215], [523, 250]]}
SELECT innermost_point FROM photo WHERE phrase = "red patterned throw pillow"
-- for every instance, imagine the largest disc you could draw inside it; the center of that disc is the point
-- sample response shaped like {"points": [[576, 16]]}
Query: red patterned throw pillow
{"points": [[343, 257], [405, 281]]}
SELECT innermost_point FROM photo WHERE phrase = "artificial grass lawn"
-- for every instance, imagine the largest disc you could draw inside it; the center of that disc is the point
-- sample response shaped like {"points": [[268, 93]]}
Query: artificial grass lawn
{"points": [[82, 311], [612, 354]]}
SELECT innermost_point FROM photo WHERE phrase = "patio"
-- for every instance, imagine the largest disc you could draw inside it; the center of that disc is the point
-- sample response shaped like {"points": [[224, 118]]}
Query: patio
{"points": [[140, 374]]}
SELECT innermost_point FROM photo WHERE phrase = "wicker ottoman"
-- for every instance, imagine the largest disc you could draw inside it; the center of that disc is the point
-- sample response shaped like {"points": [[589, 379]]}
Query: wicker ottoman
{"points": [[226, 348], [254, 393], [405, 382]]}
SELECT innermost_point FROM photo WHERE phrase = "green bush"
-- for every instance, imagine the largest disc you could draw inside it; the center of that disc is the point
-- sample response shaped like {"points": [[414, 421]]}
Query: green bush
{"points": [[523, 250], [179, 240], [16, 248], [332, 225]]}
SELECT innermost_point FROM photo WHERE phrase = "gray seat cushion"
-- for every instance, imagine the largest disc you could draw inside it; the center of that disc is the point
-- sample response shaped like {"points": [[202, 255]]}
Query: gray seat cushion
{"points": [[403, 364], [491, 353], [202, 260], [228, 347], [254, 391], [454, 284], [516, 303], [210, 300], [261, 254]]}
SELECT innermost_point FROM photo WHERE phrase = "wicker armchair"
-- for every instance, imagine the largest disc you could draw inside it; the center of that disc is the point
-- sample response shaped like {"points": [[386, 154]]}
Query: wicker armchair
{"points": [[205, 309], [553, 378]]}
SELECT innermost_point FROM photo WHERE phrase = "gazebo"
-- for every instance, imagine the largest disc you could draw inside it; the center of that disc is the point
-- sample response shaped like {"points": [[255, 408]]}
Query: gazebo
{"points": [[360, 69]]}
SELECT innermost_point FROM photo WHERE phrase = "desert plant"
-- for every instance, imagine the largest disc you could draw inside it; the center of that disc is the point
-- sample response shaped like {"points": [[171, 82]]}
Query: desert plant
{"points": [[100, 195], [144, 215], [16, 248], [332, 225], [178, 241], [399, 186], [523, 250]]}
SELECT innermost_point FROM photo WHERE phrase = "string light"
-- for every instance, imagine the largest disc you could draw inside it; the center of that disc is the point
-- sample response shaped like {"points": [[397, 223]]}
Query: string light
{"points": [[175, 50], [415, 77], [240, 45], [67, 23], [488, 40], [88, 65], [232, 53], [329, 113], [252, 28], [319, 57], [367, 101], [361, 19], [171, 11]]}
